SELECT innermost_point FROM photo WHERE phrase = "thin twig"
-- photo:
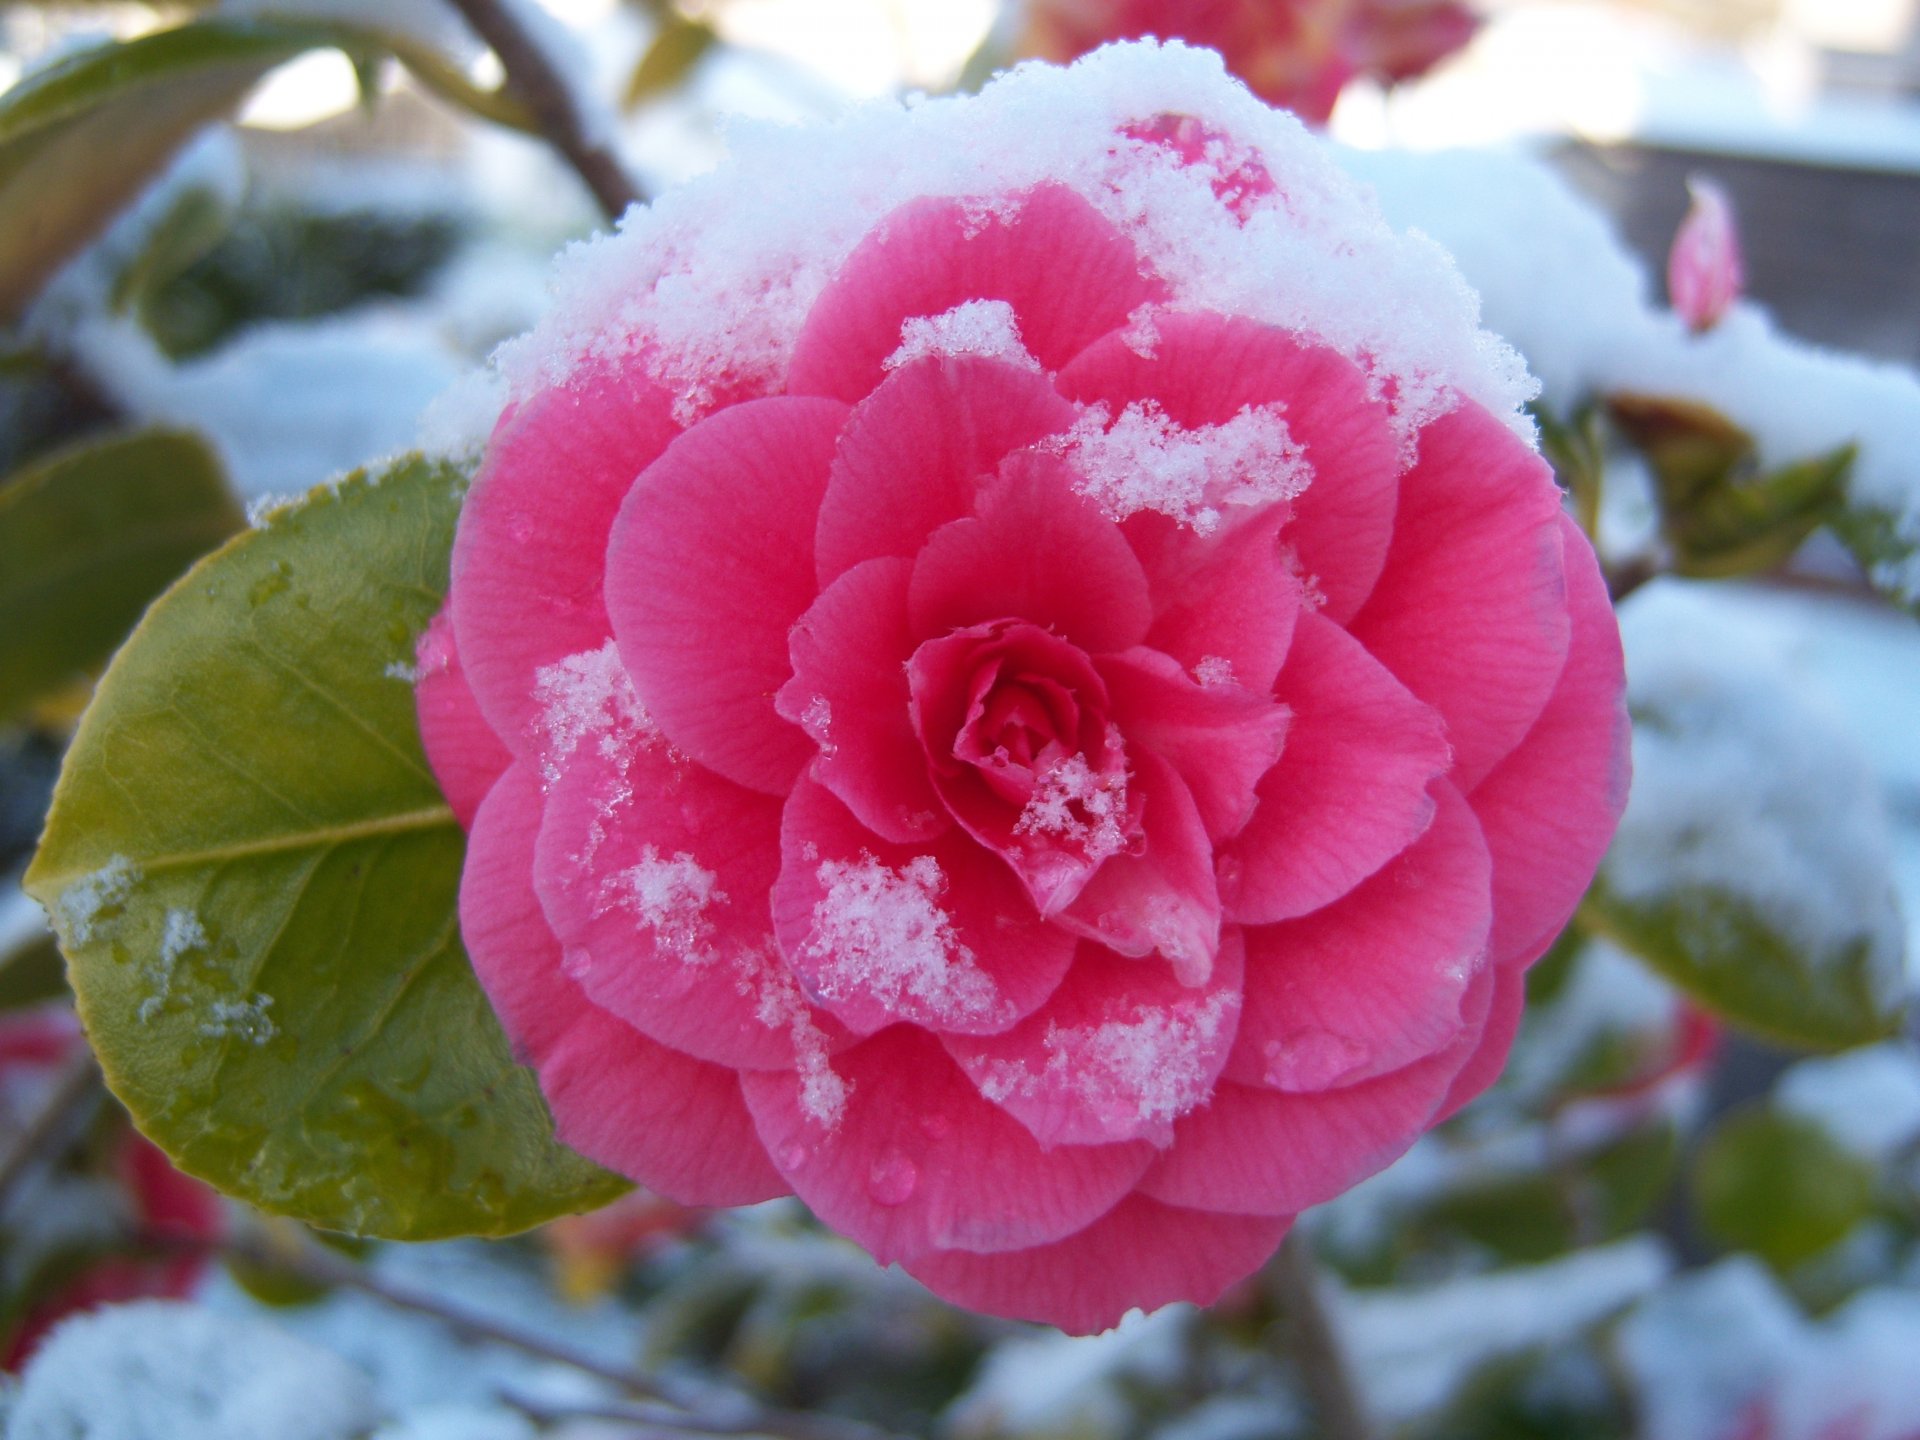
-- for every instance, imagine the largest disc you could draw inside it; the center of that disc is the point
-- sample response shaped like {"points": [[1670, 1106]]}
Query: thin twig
{"points": [[533, 80], [75, 1088], [651, 1420], [1315, 1346]]}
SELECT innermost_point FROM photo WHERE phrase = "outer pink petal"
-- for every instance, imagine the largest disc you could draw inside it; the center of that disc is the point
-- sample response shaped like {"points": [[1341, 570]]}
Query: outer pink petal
{"points": [[709, 565], [1223, 598], [466, 756], [1120, 1051], [1375, 980], [1489, 1054], [674, 1124], [1069, 275], [654, 875], [1551, 806], [530, 554], [1471, 610], [1221, 739], [1139, 1254], [1036, 552], [938, 932], [919, 1162], [1260, 1152], [1350, 789], [1204, 369], [916, 450], [1164, 899], [849, 693]]}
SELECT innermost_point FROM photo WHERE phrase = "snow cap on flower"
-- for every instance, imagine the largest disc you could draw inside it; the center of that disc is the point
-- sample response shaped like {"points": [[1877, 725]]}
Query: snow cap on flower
{"points": [[1705, 271], [1016, 675]]}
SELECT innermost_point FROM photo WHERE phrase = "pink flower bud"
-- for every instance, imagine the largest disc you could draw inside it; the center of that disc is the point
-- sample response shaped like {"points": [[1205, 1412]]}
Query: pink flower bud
{"points": [[1705, 273]]}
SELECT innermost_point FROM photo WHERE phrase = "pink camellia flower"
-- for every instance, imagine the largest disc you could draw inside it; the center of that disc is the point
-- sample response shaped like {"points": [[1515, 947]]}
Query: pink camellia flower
{"points": [[1013, 674], [1705, 271], [1296, 53]]}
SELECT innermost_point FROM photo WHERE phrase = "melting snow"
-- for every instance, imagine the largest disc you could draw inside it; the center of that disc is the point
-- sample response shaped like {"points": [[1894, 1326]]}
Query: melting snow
{"points": [[671, 898], [1214, 671], [879, 932], [240, 1019], [587, 696], [1143, 460], [983, 328], [84, 903], [1070, 802]]}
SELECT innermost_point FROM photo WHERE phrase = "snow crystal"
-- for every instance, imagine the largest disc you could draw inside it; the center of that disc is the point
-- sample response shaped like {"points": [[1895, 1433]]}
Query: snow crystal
{"points": [[781, 1006], [984, 328], [93, 900], [1214, 671], [879, 932], [1143, 460], [1155, 1066], [713, 281], [1746, 786], [817, 721], [240, 1020], [1868, 1100], [181, 932], [1070, 802], [1558, 283], [156, 1370], [401, 670], [587, 696], [671, 898]]}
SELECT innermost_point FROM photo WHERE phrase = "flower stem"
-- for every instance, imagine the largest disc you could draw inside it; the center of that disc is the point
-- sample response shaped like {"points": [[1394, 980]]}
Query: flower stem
{"points": [[1315, 1345], [534, 80]]}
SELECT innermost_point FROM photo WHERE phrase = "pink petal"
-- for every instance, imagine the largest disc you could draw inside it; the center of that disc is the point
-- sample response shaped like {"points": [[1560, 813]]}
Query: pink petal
{"points": [[1705, 270], [916, 450], [1119, 1052], [530, 554], [1550, 808], [919, 1162], [1037, 552], [465, 754], [1375, 980], [1140, 1253], [1262, 1152], [1204, 369], [938, 932], [1069, 275], [849, 693], [654, 875], [1350, 789], [1225, 603], [709, 565], [1471, 611], [1221, 739], [672, 1123], [1488, 1057], [1164, 899]]}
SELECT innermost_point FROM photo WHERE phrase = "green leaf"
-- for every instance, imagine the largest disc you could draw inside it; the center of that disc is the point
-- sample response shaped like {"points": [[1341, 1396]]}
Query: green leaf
{"points": [[88, 536], [677, 47], [254, 878], [1885, 546], [1779, 1186], [81, 138]]}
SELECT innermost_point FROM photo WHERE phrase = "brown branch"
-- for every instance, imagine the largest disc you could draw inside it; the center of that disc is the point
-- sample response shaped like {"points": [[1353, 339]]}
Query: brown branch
{"points": [[532, 79], [75, 1089], [1314, 1346]]}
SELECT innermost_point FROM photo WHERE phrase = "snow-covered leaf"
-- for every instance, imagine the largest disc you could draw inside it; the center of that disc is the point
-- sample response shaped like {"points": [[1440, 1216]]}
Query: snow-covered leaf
{"points": [[253, 876], [88, 536], [1753, 867]]}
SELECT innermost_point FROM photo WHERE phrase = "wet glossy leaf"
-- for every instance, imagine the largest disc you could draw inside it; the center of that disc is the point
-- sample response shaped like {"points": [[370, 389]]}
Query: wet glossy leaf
{"points": [[88, 536], [1779, 1186], [254, 878]]}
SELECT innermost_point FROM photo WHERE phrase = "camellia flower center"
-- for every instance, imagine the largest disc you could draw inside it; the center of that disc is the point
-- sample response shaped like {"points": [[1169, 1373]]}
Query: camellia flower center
{"points": [[1014, 722]]}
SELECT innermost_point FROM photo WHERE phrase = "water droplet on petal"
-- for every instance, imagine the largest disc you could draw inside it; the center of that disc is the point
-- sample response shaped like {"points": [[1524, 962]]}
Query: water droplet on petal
{"points": [[893, 1179], [935, 1126], [793, 1157], [1312, 1059]]}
